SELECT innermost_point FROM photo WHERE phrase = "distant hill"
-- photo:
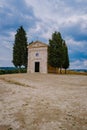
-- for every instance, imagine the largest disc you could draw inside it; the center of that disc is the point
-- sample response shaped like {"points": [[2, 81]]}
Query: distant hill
{"points": [[13, 68], [8, 68], [79, 70]]}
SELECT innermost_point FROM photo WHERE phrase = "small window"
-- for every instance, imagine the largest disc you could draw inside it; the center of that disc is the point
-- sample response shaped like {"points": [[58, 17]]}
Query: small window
{"points": [[37, 54]]}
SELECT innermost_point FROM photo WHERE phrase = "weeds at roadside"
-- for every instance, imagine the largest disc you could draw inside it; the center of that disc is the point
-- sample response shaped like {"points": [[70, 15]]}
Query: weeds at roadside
{"points": [[16, 83]]}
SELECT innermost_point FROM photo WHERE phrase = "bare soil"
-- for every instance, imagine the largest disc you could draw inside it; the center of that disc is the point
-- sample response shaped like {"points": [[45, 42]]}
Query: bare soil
{"points": [[43, 102]]}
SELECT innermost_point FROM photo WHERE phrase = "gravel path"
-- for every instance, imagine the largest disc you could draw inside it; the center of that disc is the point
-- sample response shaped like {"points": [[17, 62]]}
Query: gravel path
{"points": [[43, 102]]}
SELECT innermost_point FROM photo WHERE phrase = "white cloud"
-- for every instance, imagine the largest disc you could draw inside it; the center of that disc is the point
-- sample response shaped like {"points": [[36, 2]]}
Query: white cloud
{"points": [[78, 64], [55, 10], [77, 53], [39, 7], [85, 63], [81, 1], [6, 55], [6, 47], [41, 19], [58, 15], [76, 45]]}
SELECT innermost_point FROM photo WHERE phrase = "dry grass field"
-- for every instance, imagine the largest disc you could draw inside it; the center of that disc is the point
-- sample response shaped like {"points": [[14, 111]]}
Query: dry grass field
{"points": [[43, 102]]}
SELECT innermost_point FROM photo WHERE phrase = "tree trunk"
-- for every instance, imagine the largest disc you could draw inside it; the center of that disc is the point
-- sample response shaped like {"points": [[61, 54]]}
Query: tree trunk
{"points": [[57, 70], [60, 70], [65, 71], [19, 69]]}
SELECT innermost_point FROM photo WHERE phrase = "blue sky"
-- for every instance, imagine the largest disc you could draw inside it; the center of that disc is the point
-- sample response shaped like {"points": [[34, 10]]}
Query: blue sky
{"points": [[40, 19]]}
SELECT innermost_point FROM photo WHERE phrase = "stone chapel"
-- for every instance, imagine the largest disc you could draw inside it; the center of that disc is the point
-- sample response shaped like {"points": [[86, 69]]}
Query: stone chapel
{"points": [[37, 57]]}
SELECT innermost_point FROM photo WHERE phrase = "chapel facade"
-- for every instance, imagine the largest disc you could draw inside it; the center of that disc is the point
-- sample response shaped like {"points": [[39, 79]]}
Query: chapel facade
{"points": [[37, 57]]}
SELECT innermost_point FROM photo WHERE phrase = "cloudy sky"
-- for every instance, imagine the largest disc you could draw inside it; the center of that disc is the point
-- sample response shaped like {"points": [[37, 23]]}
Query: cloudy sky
{"points": [[40, 18]]}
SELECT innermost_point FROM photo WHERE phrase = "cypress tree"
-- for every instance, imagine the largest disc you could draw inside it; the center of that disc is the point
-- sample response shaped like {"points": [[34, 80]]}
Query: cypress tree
{"points": [[20, 48], [57, 52], [54, 50], [66, 58]]}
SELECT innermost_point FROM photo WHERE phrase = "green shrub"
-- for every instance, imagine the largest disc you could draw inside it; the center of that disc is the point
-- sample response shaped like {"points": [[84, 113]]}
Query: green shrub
{"points": [[22, 70]]}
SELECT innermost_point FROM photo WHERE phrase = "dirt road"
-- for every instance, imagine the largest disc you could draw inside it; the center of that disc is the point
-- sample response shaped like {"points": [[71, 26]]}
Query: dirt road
{"points": [[43, 102]]}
